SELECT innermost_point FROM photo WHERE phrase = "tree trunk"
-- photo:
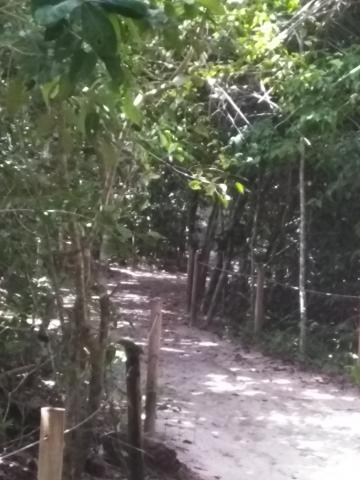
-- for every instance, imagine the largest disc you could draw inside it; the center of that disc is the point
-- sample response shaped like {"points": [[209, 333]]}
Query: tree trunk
{"points": [[302, 253], [77, 392], [225, 251], [253, 242], [194, 291], [259, 301], [205, 252], [190, 277], [192, 246], [216, 296], [214, 279], [98, 353]]}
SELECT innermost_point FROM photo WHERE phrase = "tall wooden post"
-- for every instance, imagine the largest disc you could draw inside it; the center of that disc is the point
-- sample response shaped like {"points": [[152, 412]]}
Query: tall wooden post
{"points": [[259, 300], [51, 445], [194, 291], [133, 390], [153, 366]]}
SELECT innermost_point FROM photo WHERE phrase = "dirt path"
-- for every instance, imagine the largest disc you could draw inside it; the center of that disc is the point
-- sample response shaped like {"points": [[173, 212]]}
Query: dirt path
{"points": [[235, 415]]}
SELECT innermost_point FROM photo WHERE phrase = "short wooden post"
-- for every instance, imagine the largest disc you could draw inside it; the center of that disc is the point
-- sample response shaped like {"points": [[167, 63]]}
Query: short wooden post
{"points": [[133, 390], [153, 366], [194, 290], [51, 446], [259, 301]]}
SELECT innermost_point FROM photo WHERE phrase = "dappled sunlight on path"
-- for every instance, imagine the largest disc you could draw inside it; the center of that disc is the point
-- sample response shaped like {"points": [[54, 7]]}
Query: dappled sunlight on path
{"points": [[237, 415]]}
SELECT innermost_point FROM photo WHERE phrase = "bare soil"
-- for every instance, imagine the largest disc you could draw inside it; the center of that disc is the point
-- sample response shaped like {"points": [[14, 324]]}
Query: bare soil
{"points": [[235, 414]]}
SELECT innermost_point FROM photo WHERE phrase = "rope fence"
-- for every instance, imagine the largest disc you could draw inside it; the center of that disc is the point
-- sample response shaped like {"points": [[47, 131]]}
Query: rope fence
{"points": [[284, 285], [208, 303], [37, 442]]}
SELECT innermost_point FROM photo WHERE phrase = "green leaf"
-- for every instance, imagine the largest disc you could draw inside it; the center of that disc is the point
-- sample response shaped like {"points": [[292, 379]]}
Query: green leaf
{"points": [[223, 199], [66, 88], [109, 154], [85, 108], [66, 140], [240, 187], [124, 232], [210, 189], [82, 65], [190, 11], [131, 111], [92, 121], [172, 37], [98, 31], [195, 185], [216, 7], [50, 13], [155, 235], [114, 67], [50, 90], [15, 96], [126, 8], [55, 31], [45, 124]]}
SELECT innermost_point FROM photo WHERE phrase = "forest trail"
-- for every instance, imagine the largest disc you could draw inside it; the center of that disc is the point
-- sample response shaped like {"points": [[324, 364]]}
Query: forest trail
{"points": [[238, 415]]}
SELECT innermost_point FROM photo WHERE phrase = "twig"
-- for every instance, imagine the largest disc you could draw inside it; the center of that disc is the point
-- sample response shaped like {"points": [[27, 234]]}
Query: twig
{"points": [[16, 370]]}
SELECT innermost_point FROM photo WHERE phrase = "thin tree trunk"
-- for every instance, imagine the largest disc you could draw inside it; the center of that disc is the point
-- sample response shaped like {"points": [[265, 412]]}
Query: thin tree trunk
{"points": [[98, 353], [216, 296], [181, 249], [190, 277], [214, 279], [205, 252], [194, 292], [259, 301], [53, 275], [252, 247], [192, 246], [75, 452], [275, 240], [302, 253], [225, 255], [81, 351]]}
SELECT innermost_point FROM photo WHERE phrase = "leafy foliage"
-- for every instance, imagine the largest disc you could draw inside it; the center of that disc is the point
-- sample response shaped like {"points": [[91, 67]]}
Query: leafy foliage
{"points": [[120, 115]]}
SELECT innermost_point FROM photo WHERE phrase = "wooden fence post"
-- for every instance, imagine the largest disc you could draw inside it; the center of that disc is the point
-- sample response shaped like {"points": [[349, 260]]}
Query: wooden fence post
{"points": [[259, 300], [194, 290], [153, 365], [51, 445], [133, 390]]}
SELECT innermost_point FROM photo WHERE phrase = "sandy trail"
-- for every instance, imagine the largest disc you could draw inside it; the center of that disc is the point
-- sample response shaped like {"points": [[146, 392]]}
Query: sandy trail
{"points": [[238, 415]]}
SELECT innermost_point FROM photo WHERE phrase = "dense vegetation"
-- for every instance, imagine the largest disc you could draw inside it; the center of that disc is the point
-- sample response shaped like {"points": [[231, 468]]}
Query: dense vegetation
{"points": [[135, 131]]}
